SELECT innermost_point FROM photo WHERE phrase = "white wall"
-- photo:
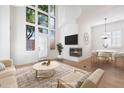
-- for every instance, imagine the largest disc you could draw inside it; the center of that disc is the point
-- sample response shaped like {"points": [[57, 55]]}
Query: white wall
{"points": [[86, 48], [98, 31], [68, 14], [69, 29], [4, 32], [70, 20], [53, 53], [83, 18], [18, 39], [68, 17]]}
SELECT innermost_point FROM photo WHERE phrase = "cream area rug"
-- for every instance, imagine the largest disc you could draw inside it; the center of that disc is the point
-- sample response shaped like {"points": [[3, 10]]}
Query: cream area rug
{"points": [[26, 77]]}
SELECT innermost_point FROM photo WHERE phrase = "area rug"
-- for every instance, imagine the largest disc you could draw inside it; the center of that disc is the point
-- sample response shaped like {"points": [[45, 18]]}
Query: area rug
{"points": [[26, 77]]}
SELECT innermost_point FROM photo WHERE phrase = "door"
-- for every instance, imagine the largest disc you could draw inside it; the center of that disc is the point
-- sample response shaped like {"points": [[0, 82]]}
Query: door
{"points": [[43, 46]]}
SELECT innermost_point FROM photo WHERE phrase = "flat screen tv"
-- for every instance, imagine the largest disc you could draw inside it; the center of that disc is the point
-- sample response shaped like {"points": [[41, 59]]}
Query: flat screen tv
{"points": [[71, 40]]}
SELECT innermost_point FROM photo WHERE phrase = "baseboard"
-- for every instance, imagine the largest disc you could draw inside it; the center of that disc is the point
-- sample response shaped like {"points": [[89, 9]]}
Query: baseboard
{"points": [[86, 59], [24, 65], [68, 60]]}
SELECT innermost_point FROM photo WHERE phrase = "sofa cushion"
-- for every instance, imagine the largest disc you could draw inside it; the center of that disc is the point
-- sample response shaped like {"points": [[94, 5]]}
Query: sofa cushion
{"points": [[7, 63], [72, 78], [2, 67], [82, 79], [9, 71], [8, 82], [93, 80]]}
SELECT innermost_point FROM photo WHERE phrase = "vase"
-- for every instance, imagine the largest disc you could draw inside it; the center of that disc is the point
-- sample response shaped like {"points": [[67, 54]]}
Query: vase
{"points": [[48, 63]]}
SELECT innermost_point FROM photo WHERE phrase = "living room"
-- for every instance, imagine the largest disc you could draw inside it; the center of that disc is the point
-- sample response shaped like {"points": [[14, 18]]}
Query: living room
{"points": [[42, 46]]}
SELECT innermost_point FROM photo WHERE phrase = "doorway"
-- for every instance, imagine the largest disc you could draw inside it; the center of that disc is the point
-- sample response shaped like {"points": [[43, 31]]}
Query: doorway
{"points": [[43, 46]]}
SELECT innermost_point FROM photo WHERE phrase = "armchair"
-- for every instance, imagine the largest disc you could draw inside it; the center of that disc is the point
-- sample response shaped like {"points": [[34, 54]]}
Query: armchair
{"points": [[120, 56], [9, 70], [87, 79], [94, 57], [104, 56], [8, 76]]}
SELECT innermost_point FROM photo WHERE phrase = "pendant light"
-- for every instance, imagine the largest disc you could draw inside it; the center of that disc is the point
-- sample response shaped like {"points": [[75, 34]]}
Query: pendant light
{"points": [[105, 36]]}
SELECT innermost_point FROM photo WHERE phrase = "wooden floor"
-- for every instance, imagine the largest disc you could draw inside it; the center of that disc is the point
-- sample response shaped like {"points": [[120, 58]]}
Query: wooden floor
{"points": [[114, 74], [113, 77]]}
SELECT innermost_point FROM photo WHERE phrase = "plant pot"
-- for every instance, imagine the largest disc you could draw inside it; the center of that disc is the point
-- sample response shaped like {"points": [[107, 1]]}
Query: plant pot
{"points": [[59, 56]]}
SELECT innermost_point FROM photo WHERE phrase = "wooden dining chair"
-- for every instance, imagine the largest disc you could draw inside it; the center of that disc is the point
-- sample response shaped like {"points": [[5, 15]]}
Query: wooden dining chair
{"points": [[94, 57], [104, 57], [119, 56]]}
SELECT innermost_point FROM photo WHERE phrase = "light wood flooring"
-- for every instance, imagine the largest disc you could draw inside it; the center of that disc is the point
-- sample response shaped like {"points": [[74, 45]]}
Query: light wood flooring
{"points": [[114, 73]]}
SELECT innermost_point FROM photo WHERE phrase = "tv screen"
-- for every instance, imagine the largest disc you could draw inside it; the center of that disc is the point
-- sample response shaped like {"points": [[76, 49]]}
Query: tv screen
{"points": [[71, 40]]}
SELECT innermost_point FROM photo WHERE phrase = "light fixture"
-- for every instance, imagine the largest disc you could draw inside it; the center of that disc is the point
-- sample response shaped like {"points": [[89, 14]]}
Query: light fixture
{"points": [[105, 36]]}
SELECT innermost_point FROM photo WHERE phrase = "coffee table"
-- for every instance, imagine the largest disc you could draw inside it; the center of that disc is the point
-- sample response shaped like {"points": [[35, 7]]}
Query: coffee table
{"points": [[47, 71]]}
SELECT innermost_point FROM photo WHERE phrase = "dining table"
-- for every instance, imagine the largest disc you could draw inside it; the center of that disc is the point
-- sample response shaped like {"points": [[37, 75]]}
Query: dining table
{"points": [[113, 52]]}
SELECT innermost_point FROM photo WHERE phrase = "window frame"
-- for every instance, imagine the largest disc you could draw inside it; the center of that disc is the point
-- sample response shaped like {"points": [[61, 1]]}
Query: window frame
{"points": [[120, 39], [37, 26]]}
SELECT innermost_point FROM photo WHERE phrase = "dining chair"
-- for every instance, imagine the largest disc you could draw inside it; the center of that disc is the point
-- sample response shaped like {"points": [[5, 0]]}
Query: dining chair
{"points": [[119, 55], [94, 56], [104, 57]]}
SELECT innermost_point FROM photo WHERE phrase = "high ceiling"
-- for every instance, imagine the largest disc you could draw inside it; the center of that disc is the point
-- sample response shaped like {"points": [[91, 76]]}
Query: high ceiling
{"points": [[94, 15], [90, 15]]}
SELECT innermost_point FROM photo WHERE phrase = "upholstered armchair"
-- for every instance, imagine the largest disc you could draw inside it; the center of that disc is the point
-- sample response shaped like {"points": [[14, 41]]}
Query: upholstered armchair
{"points": [[8, 76], [104, 56], [7, 62], [81, 79], [118, 56]]}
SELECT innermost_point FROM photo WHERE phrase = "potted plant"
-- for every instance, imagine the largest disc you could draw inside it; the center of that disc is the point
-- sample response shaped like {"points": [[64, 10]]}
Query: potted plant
{"points": [[59, 48]]}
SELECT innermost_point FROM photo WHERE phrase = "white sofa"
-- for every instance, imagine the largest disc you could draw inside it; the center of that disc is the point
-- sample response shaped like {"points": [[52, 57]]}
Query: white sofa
{"points": [[8, 76]]}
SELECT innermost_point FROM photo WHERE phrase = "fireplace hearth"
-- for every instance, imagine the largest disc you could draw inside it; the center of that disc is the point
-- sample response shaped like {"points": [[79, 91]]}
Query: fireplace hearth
{"points": [[76, 52]]}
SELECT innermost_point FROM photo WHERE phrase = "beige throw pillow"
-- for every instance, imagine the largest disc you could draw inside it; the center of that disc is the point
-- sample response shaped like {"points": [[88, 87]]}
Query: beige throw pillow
{"points": [[2, 67], [82, 79]]}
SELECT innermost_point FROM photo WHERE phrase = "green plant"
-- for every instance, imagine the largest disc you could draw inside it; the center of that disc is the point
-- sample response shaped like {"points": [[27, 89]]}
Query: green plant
{"points": [[30, 15], [43, 7], [59, 48]]}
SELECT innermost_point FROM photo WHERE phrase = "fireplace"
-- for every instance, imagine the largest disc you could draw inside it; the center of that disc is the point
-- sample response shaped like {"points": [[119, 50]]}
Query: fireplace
{"points": [[76, 52]]}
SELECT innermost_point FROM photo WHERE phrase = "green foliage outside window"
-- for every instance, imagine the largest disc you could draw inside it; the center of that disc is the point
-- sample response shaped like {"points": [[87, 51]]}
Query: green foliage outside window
{"points": [[42, 19], [33, 5], [43, 8], [30, 15], [52, 10], [30, 32], [43, 30]]}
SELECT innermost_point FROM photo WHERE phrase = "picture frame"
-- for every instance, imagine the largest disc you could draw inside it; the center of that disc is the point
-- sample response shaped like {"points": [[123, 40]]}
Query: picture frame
{"points": [[86, 38]]}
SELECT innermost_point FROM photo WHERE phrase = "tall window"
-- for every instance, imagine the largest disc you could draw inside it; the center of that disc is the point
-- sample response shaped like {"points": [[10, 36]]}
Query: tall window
{"points": [[41, 18], [30, 29], [116, 39]]}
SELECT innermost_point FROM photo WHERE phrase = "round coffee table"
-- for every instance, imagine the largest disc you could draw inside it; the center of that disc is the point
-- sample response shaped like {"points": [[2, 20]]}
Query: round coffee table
{"points": [[47, 70]]}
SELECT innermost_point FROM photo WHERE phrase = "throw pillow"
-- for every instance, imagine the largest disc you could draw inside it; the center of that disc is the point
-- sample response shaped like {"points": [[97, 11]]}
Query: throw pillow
{"points": [[2, 67], [82, 79]]}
